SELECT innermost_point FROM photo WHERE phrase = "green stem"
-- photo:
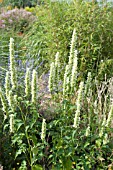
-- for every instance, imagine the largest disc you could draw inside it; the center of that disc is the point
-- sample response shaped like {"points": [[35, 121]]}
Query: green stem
{"points": [[27, 136]]}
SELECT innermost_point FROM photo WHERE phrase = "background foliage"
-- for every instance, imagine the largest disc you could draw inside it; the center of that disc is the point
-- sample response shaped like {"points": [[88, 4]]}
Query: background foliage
{"points": [[53, 29]]}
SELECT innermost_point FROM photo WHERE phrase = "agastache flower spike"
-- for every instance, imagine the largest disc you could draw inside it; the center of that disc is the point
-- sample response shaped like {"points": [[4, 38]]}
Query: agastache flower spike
{"points": [[27, 82], [11, 100], [57, 65], [72, 48], [105, 140], [88, 84], [78, 104], [57, 59], [12, 64], [87, 131], [7, 84], [74, 71], [51, 77], [65, 80], [43, 133], [34, 87], [11, 123], [3, 100], [15, 99]]}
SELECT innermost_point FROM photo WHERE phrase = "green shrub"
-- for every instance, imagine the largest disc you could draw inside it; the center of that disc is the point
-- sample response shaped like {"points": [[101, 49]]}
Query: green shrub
{"points": [[16, 19], [20, 3], [52, 33]]}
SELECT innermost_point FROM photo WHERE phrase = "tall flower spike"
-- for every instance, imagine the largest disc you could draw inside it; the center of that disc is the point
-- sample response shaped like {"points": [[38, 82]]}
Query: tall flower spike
{"points": [[11, 123], [51, 77], [72, 48], [110, 115], [102, 126], [78, 104], [43, 133], [87, 131], [95, 105], [12, 64], [65, 80], [57, 65], [105, 139], [88, 84], [15, 99], [74, 72], [57, 59], [27, 83], [7, 84], [11, 101], [34, 87], [3, 100]]}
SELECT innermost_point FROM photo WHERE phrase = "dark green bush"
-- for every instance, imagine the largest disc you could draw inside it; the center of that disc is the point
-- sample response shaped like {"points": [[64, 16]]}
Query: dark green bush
{"points": [[20, 3]]}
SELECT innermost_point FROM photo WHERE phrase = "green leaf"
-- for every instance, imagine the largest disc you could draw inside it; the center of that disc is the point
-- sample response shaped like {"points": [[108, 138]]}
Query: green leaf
{"points": [[23, 165], [33, 160], [18, 153], [19, 123], [35, 150], [34, 139], [86, 144], [98, 142], [37, 167], [67, 163]]}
